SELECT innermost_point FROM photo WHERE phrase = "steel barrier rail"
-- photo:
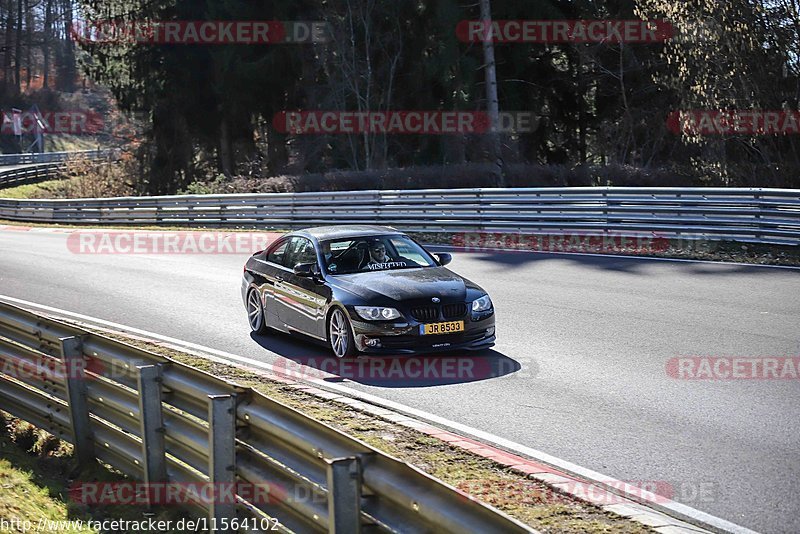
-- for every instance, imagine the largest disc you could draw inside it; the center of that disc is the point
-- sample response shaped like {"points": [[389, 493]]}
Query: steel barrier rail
{"points": [[27, 174], [55, 157], [759, 215], [31, 168], [161, 421]]}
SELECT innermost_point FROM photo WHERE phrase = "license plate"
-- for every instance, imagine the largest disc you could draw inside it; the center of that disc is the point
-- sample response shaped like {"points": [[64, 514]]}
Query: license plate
{"points": [[441, 328]]}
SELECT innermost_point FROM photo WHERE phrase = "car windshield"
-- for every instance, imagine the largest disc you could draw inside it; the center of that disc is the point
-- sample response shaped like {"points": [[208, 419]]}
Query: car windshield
{"points": [[373, 253]]}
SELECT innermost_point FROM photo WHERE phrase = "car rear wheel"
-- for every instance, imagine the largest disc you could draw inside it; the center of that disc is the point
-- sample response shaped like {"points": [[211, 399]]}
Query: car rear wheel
{"points": [[255, 312], [340, 336]]}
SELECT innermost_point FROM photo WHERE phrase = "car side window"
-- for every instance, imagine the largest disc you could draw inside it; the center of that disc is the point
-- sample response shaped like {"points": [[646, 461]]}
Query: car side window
{"points": [[278, 254], [299, 250], [304, 252]]}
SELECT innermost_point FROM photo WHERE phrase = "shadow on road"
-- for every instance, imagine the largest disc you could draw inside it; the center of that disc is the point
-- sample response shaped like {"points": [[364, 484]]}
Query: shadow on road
{"points": [[303, 359], [628, 264]]}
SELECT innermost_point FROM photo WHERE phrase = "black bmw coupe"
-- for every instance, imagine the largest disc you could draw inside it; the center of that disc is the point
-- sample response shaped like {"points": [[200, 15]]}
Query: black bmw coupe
{"points": [[365, 289]]}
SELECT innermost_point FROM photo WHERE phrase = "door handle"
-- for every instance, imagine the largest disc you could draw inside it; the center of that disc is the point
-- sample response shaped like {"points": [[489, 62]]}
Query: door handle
{"points": [[279, 278]]}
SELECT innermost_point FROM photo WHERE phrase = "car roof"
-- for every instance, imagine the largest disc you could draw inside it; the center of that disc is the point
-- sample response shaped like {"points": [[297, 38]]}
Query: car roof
{"points": [[343, 231]]}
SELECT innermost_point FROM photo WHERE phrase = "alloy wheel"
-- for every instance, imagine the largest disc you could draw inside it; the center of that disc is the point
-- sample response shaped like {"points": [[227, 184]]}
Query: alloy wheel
{"points": [[339, 334]]}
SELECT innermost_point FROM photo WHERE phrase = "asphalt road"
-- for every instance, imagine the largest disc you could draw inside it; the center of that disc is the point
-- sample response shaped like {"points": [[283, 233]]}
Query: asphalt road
{"points": [[583, 346]]}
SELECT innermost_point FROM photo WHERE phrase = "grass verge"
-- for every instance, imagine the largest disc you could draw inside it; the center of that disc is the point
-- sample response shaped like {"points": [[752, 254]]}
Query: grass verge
{"points": [[38, 190], [36, 473]]}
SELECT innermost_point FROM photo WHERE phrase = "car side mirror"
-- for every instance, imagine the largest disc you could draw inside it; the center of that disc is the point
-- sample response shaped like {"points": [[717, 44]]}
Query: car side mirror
{"points": [[305, 270], [444, 257]]}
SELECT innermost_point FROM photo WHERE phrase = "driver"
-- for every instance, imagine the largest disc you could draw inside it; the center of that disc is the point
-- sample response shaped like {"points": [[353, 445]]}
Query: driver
{"points": [[377, 253], [327, 253]]}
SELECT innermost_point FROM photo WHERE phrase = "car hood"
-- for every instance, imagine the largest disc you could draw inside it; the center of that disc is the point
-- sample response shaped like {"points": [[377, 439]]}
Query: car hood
{"points": [[407, 284]]}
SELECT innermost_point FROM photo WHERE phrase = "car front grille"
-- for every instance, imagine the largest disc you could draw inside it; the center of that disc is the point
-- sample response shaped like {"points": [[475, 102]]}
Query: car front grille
{"points": [[454, 311], [425, 313], [431, 313]]}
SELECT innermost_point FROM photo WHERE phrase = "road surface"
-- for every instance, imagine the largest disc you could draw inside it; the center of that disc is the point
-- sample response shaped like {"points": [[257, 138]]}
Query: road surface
{"points": [[581, 359]]}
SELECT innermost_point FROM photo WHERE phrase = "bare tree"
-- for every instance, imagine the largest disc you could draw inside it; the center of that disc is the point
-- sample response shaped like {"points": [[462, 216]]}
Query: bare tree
{"points": [[361, 63]]}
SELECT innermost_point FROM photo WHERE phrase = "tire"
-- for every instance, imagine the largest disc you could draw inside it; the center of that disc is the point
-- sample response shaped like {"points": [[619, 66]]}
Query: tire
{"points": [[255, 313], [340, 335]]}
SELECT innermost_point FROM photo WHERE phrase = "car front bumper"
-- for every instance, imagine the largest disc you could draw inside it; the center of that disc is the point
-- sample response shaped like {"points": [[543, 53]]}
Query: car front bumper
{"points": [[392, 337]]}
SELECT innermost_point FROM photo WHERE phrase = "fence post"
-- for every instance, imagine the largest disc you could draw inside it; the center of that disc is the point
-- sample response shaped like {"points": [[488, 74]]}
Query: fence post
{"points": [[344, 495], [222, 460], [151, 420], [75, 376]]}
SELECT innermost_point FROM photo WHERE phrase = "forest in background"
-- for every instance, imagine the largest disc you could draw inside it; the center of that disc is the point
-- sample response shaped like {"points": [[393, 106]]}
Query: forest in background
{"points": [[206, 111]]}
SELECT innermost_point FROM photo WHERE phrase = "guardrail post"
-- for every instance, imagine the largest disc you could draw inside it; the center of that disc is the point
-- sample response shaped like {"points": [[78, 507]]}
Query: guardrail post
{"points": [[77, 398], [479, 212], [344, 495], [758, 217], [151, 420], [222, 460]]}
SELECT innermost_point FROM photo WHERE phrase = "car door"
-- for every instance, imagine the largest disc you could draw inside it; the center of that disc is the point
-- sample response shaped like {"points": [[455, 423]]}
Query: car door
{"points": [[303, 300], [272, 271]]}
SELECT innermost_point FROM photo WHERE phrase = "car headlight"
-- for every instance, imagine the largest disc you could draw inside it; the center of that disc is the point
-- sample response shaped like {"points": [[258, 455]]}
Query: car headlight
{"points": [[482, 304], [373, 313]]}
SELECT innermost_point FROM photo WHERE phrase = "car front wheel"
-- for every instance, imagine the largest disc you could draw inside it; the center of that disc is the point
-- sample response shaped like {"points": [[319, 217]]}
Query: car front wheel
{"points": [[340, 335]]}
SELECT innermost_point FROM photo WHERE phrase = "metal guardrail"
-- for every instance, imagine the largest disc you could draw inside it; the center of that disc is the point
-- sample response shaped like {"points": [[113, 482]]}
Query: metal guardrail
{"points": [[160, 421], [760, 215], [31, 168], [54, 157], [27, 174]]}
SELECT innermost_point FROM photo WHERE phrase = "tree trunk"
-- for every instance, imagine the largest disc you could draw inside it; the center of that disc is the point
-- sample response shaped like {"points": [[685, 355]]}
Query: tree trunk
{"points": [[581, 110], [9, 36], [29, 27], [492, 104], [277, 153], [225, 155], [67, 70], [48, 22], [18, 51]]}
